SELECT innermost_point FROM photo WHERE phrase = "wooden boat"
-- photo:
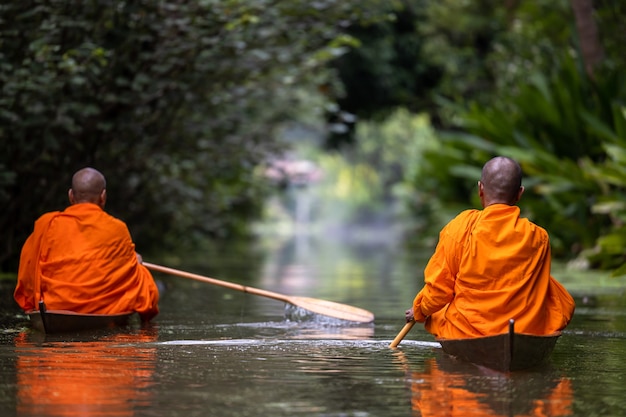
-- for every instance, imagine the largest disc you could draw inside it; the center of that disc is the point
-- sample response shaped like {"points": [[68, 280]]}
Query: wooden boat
{"points": [[504, 352], [64, 321]]}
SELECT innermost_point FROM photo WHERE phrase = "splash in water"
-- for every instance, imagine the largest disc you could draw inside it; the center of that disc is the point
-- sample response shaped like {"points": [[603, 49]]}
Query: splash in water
{"points": [[303, 316]]}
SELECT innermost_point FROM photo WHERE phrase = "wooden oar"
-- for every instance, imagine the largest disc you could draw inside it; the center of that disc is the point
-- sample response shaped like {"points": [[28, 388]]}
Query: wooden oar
{"points": [[326, 308], [407, 327]]}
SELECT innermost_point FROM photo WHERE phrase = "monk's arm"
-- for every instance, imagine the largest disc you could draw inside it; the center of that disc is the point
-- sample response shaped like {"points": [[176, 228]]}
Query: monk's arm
{"points": [[27, 290], [438, 286], [24, 293]]}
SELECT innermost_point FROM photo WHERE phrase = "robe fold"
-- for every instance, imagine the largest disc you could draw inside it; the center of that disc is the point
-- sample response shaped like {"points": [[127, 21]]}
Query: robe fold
{"points": [[83, 260], [490, 266]]}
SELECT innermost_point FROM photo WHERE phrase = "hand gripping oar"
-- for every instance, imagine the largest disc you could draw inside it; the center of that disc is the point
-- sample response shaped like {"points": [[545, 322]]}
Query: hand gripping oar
{"points": [[407, 327], [326, 308]]}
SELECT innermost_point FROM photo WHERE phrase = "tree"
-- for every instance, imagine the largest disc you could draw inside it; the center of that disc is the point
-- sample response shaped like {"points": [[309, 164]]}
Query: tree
{"points": [[175, 101], [591, 49], [384, 70]]}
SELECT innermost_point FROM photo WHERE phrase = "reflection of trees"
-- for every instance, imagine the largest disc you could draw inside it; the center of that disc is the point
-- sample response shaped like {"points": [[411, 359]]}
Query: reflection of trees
{"points": [[448, 387], [598, 358], [320, 265], [109, 376]]}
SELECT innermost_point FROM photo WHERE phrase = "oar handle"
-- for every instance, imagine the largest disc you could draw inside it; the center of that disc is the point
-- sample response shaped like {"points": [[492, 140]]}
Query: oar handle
{"points": [[327, 308], [407, 328], [209, 280]]}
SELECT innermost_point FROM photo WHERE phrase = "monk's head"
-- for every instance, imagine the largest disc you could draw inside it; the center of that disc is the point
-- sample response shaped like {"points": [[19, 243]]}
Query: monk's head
{"points": [[88, 186], [500, 182]]}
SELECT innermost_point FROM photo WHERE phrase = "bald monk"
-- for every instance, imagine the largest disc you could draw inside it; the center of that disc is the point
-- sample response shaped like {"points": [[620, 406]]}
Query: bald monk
{"points": [[83, 260], [490, 266]]}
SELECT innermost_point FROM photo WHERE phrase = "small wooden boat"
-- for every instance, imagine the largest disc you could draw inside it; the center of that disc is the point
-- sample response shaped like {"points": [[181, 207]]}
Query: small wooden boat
{"points": [[64, 321], [504, 352]]}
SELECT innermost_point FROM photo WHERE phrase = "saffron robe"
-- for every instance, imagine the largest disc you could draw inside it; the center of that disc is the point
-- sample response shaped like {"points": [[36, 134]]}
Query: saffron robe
{"points": [[490, 266], [83, 260]]}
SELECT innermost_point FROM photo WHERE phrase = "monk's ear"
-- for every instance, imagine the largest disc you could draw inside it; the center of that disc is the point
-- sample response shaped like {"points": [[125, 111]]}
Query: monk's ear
{"points": [[70, 195], [481, 190], [103, 198]]}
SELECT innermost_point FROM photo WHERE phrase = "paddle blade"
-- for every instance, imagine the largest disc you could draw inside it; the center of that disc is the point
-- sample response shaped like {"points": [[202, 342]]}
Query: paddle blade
{"points": [[332, 309], [327, 308]]}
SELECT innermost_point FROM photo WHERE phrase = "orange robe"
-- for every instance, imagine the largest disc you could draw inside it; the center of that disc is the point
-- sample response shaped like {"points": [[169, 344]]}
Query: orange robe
{"points": [[490, 266], [83, 260]]}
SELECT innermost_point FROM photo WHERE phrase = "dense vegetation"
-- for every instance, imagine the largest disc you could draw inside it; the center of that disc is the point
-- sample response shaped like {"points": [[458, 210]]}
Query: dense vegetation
{"points": [[180, 103], [175, 101], [540, 81]]}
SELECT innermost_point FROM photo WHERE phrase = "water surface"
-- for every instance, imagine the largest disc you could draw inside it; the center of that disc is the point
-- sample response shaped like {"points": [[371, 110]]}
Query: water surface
{"points": [[218, 352]]}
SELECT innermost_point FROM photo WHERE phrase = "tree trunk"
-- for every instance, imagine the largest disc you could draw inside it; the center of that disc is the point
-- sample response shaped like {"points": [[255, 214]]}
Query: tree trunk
{"points": [[588, 37]]}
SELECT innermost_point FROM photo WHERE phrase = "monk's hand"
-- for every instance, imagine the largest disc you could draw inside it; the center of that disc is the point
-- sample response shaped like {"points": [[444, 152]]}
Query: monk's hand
{"points": [[409, 315], [139, 258]]}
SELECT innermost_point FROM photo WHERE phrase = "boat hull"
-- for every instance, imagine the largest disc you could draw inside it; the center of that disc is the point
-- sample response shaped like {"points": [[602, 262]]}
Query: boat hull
{"points": [[63, 321], [504, 352]]}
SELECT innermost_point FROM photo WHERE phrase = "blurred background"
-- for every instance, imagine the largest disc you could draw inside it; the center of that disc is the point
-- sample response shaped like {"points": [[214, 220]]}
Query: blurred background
{"points": [[224, 120]]}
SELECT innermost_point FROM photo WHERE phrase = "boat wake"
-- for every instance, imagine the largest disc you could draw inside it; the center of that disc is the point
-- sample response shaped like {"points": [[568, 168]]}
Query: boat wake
{"points": [[280, 342]]}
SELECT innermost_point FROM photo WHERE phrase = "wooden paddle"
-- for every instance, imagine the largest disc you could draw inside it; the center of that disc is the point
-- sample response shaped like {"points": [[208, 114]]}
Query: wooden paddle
{"points": [[326, 308], [407, 327]]}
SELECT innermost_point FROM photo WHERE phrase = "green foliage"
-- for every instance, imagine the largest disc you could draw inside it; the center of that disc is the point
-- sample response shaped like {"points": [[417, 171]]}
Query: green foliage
{"points": [[610, 177], [175, 101], [568, 135], [368, 182], [383, 71], [509, 80], [350, 190], [463, 51], [459, 37]]}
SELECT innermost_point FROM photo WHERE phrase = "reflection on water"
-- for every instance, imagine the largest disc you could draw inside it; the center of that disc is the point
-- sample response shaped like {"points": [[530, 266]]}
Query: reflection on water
{"points": [[284, 368], [280, 377], [107, 377], [218, 352], [448, 387], [339, 265]]}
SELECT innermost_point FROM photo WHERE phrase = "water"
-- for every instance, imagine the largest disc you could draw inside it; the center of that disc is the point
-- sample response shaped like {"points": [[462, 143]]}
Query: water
{"points": [[219, 352]]}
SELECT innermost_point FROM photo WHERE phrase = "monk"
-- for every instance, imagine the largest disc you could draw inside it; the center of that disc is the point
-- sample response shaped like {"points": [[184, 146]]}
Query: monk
{"points": [[83, 259], [490, 266]]}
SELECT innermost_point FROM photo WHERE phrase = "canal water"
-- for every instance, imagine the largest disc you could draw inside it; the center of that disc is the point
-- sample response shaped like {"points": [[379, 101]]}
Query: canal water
{"points": [[213, 351]]}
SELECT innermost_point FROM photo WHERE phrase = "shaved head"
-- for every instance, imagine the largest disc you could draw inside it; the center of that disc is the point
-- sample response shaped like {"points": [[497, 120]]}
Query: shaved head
{"points": [[501, 181], [88, 186]]}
